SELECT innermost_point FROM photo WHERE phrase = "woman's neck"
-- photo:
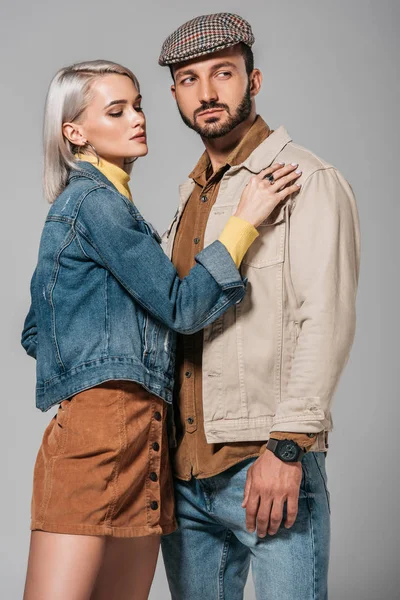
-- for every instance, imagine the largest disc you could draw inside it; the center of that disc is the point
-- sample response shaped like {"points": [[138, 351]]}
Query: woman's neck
{"points": [[117, 161]]}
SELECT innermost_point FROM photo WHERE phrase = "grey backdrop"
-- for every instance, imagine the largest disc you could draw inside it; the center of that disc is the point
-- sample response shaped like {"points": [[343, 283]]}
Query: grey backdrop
{"points": [[331, 76]]}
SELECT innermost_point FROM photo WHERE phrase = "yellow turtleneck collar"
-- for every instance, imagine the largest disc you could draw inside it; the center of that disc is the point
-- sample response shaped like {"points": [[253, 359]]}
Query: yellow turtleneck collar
{"points": [[118, 177]]}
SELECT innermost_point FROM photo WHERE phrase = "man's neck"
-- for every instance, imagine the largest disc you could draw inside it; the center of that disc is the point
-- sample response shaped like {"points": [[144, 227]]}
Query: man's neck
{"points": [[219, 149]]}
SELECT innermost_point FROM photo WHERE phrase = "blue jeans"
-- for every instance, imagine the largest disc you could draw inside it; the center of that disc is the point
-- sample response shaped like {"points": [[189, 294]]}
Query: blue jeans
{"points": [[209, 556]]}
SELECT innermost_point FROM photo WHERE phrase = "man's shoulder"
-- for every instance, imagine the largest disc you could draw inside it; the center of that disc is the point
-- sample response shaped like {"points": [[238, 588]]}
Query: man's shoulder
{"points": [[308, 161], [279, 147]]}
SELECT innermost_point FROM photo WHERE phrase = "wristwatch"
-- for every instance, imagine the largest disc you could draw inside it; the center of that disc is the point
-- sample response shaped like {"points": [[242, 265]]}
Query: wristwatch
{"points": [[286, 450]]}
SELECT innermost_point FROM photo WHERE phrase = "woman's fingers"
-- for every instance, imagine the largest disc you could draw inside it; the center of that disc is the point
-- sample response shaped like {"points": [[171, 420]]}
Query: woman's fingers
{"points": [[261, 195], [278, 170], [287, 179], [273, 169], [290, 189]]}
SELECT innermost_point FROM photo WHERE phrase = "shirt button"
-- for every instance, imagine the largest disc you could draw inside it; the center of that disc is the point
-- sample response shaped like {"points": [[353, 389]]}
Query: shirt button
{"points": [[196, 240], [190, 420], [157, 416], [153, 476], [204, 198], [156, 446], [154, 505], [188, 374]]}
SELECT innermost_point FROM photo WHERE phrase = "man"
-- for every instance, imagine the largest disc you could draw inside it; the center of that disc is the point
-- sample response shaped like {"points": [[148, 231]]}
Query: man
{"points": [[255, 388]]}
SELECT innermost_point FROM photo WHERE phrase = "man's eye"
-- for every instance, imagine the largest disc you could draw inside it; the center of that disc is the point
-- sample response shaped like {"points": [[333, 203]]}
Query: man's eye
{"points": [[188, 80], [117, 114], [224, 74]]}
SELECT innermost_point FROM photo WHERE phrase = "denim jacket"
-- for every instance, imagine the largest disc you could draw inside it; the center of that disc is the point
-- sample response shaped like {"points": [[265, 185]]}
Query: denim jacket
{"points": [[106, 301]]}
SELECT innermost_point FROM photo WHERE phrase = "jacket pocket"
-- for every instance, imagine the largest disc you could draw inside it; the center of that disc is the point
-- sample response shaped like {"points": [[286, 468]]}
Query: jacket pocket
{"points": [[269, 248]]}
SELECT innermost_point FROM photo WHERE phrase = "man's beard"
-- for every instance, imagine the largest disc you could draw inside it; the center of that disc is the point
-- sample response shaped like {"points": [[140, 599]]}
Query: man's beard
{"points": [[213, 129]]}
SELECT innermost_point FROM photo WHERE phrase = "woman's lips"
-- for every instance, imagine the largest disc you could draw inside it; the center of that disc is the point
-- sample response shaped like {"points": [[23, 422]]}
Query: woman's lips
{"points": [[140, 138]]}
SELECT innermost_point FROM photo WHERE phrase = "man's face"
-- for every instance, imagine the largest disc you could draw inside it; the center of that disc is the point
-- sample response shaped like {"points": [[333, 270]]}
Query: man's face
{"points": [[214, 92]]}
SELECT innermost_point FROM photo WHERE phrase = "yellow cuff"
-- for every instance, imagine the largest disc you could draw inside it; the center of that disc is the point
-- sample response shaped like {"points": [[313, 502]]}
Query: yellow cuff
{"points": [[237, 237]]}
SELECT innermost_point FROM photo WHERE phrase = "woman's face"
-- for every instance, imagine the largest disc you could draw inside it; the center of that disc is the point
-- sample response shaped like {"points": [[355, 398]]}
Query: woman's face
{"points": [[114, 122]]}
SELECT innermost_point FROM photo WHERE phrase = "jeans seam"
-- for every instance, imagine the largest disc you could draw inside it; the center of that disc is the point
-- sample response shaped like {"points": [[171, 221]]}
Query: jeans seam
{"points": [[224, 555], [323, 481], [313, 554]]}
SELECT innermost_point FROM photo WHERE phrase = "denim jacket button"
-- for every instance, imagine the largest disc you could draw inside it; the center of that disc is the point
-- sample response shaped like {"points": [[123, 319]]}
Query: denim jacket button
{"points": [[154, 505], [157, 416], [156, 446]]}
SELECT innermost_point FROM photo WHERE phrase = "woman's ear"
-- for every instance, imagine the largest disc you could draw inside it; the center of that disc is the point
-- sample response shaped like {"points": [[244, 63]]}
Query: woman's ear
{"points": [[73, 133]]}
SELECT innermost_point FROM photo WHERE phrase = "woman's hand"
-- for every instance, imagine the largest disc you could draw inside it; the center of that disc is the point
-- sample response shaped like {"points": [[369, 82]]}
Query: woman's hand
{"points": [[266, 190]]}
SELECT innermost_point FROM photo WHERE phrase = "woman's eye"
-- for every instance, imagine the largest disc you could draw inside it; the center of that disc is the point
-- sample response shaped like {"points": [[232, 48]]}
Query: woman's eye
{"points": [[117, 114], [138, 108]]}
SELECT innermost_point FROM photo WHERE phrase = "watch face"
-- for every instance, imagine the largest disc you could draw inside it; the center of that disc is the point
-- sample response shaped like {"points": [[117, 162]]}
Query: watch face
{"points": [[288, 451]]}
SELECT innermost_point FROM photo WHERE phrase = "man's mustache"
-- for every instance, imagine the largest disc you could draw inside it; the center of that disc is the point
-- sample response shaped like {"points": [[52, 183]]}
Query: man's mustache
{"points": [[209, 106]]}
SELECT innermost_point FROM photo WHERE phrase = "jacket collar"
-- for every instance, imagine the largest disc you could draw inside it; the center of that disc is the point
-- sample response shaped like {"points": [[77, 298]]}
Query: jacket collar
{"points": [[264, 155], [86, 169]]}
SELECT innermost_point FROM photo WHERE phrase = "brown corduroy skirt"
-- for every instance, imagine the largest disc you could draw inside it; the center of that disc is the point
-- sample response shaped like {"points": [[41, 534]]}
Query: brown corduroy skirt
{"points": [[103, 466]]}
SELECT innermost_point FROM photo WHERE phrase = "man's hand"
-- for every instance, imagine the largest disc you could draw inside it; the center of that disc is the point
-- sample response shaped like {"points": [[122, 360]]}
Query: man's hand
{"points": [[270, 482]]}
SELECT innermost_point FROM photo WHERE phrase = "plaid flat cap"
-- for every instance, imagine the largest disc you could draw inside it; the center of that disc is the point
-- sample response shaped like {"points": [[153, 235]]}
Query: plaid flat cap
{"points": [[203, 35]]}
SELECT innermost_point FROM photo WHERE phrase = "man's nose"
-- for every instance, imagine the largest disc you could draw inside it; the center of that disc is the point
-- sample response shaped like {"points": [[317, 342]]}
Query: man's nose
{"points": [[207, 92]]}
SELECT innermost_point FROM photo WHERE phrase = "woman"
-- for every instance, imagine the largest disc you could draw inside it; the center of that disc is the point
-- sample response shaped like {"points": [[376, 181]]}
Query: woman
{"points": [[104, 301]]}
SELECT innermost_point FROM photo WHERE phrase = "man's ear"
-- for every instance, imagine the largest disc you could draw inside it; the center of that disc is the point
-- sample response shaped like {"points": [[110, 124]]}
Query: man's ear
{"points": [[173, 91], [255, 82]]}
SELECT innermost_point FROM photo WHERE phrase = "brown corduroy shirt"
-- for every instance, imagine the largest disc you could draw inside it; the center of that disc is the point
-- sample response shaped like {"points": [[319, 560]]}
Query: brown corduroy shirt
{"points": [[193, 455]]}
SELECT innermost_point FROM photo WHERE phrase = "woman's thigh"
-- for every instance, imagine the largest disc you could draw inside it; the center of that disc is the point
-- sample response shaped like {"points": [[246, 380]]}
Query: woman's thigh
{"points": [[62, 566], [127, 569]]}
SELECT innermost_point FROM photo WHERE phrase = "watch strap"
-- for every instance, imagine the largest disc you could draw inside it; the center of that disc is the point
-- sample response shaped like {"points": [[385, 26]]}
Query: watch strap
{"points": [[272, 445]]}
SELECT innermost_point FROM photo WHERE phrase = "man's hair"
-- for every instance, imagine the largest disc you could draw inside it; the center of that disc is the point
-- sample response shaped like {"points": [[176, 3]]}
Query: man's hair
{"points": [[248, 56], [245, 51]]}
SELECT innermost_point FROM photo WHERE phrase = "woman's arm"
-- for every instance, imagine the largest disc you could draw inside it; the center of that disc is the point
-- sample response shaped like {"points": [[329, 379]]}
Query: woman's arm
{"points": [[110, 235]]}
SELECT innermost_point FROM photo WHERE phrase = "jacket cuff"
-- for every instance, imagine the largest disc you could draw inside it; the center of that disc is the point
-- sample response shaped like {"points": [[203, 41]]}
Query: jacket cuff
{"points": [[302, 415], [219, 263], [304, 440]]}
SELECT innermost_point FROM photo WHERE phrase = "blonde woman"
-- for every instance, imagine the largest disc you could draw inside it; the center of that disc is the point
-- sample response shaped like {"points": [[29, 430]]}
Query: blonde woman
{"points": [[105, 305]]}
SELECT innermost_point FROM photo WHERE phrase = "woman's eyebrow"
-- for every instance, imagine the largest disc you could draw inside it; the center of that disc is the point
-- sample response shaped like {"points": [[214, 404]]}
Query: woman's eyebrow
{"points": [[113, 102]]}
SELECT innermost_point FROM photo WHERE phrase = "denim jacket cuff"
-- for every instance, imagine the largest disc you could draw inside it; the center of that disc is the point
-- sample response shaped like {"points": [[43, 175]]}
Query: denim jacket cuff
{"points": [[219, 263]]}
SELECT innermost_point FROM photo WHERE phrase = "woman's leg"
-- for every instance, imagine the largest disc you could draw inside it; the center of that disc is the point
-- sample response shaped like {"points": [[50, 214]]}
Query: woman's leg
{"points": [[62, 566], [128, 569]]}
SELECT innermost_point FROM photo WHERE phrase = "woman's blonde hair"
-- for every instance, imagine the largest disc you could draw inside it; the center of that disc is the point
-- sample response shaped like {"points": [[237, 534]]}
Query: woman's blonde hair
{"points": [[67, 98]]}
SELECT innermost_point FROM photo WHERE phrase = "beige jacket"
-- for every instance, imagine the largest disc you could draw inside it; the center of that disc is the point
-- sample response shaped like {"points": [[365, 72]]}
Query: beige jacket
{"points": [[273, 361]]}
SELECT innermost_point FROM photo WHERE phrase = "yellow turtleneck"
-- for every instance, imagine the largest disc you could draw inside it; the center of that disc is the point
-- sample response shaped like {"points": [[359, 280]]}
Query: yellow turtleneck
{"points": [[237, 236], [118, 177]]}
